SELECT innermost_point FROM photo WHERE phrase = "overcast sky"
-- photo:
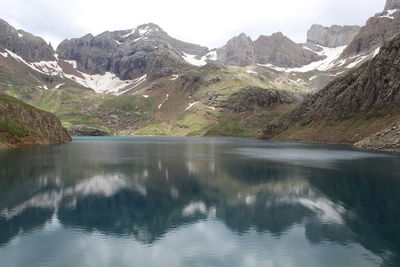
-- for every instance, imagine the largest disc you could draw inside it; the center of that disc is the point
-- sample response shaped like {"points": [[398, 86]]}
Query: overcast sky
{"points": [[207, 22]]}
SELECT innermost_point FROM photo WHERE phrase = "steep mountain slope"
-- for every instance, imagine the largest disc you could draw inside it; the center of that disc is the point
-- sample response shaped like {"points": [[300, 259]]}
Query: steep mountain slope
{"points": [[205, 101], [276, 49], [280, 51], [239, 51], [362, 103], [22, 124], [333, 36], [24, 44], [379, 28], [146, 50]]}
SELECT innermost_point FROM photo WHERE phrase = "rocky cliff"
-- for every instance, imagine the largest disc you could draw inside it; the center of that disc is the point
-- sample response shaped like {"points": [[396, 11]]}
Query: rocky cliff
{"points": [[24, 44], [239, 51], [379, 28], [333, 36], [22, 125], [392, 4], [130, 54], [280, 51], [364, 104], [276, 49]]}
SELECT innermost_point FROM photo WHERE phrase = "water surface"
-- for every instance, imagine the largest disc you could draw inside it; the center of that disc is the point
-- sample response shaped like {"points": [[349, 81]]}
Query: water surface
{"points": [[147, 201]]}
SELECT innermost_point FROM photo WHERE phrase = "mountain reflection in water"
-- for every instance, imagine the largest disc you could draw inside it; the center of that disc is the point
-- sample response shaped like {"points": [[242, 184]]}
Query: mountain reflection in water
{"points": [[199, 202]]}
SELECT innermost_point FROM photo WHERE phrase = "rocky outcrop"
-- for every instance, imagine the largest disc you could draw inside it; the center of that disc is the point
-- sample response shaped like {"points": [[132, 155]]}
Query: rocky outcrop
{"points": [[386, 140], [280, 51], [370, 93], [374, 85], [26, 45], [22, 124], [239, 51], [392, 4], [83, 130], [377, 30], [333, 36], [250, 98], [130, 54], [276, 49]]}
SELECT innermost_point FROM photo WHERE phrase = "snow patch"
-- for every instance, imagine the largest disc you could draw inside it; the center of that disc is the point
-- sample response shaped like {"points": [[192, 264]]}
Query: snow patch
{"points": [[361, 59], [174, 77], [140, 38], [135, 84], [251, 72], [332, 54], [4, 54], [130, 33], [107, 83], [390, 13], [192, 59], [312, 78], [48, 67], [146, 96], [20, 35], [58, 86], [191, 105], [73, 63], [376, 52], [146, 30], [211, 56]]}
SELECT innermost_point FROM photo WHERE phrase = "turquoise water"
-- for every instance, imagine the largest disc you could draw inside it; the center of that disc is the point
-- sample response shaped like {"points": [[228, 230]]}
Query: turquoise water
{"points": [[146, 201]]}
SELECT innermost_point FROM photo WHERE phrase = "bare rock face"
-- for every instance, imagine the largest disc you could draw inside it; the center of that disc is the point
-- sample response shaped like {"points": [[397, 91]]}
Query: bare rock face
{"points": [[239, 51], [378, 29], [280, 51], [22, 124], [130, 54], [333, 36], [29, 47], [370, 91], [276, 49], [392, 4], [374, 85], [386, 140]]}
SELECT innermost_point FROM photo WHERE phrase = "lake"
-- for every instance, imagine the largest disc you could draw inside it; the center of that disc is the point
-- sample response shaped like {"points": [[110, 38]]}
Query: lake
{"points": [[150, 201]]}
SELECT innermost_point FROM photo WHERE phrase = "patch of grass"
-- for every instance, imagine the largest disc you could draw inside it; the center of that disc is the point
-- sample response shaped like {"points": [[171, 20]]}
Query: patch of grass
{"points": [[153, 129], [14, 129]]}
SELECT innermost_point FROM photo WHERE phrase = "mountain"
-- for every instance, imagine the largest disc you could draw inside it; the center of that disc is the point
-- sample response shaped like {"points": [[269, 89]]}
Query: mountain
{"points": [[276, 49], [333, 36], [392, 4], [379, 28], [24, 44], [22, 124], [144, 82], [239, 51], [146, 50], [361, 107]]}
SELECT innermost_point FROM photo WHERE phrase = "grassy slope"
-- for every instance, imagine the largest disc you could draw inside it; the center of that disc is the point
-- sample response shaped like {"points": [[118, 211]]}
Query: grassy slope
{"points": [[11, 126], [139, 115], [205, 119]]}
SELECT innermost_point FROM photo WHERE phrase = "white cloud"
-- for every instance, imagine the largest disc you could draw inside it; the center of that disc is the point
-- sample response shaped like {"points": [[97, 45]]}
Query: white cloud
{"points": [[207, 22]]}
